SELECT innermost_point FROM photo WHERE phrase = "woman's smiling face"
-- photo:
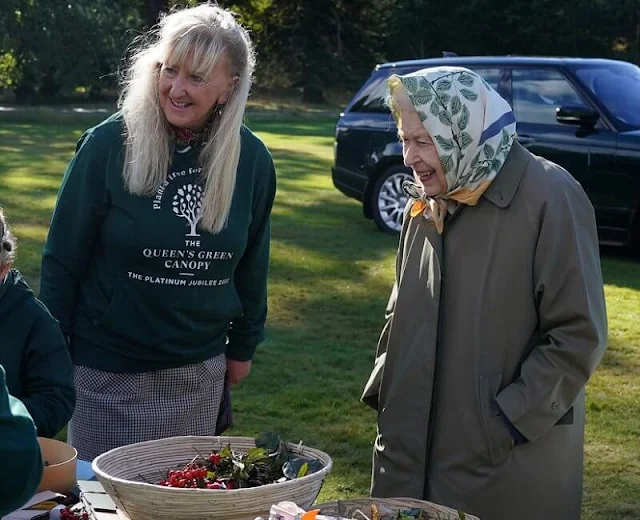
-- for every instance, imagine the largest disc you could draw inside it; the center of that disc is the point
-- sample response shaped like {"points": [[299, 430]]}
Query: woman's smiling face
{"points": [[420, 154], [188, 99]]}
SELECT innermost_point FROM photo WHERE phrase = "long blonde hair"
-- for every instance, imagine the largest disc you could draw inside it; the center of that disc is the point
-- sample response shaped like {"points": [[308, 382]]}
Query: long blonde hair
{"points": [[207, 33]]}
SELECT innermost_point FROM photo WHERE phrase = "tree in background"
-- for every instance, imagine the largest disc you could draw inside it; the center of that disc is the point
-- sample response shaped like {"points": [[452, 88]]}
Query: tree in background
{"points": [[425, 28], [628, 20], [58, 45], [151, 10], [420, 28], [312, 46]]}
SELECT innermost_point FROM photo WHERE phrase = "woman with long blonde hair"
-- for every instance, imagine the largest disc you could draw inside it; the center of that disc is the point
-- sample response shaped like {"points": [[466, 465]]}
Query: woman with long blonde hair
{"points": [[157, 256]]}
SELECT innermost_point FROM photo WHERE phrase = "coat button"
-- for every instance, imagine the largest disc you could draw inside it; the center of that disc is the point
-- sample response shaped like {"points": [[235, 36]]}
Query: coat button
{"points": [[554, 406]]}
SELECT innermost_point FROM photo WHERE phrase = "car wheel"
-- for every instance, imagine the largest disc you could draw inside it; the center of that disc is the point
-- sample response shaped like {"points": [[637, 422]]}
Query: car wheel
{"points": [[388, 199]]}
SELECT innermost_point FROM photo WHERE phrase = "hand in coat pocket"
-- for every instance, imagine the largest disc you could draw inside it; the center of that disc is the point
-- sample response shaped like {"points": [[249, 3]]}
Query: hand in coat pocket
{"points": [[497, 438]]}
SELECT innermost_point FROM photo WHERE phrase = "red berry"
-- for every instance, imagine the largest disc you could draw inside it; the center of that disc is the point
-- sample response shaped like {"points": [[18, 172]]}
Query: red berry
{"points": [[214, 458]]}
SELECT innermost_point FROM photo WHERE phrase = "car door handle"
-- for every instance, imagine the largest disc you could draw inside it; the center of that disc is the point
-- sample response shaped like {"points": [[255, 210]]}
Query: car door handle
{"points": [[524, 139]]}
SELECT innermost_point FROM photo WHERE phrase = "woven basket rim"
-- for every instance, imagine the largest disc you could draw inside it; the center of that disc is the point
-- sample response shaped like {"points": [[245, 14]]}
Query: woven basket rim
{"points": [[391, 502], [297, 447]]}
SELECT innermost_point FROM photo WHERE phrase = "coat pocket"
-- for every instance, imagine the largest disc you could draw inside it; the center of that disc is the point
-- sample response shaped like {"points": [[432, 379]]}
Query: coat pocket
{"points": [[497, 438], [567, 418]]}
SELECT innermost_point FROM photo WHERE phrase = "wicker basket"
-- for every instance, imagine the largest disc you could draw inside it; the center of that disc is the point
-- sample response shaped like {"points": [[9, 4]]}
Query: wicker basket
{"points": [[123, 471], [348, 508]]}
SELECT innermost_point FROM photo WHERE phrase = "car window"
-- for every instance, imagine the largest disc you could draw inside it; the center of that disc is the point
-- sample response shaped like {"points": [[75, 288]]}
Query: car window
{"points": [[617, 87], [372, 97], [491, 76], [538, 92]]}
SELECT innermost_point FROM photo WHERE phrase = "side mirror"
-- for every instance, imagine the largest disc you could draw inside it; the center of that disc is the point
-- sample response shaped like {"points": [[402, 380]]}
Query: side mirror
{"points": [[577, 115]]}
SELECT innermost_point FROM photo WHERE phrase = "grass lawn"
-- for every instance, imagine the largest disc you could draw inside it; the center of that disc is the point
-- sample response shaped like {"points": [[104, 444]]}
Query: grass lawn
{"points": [[330, 278]]}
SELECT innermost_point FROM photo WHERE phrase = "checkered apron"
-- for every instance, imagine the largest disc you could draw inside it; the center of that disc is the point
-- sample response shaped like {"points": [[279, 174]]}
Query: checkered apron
{"points": [[115, 409]]}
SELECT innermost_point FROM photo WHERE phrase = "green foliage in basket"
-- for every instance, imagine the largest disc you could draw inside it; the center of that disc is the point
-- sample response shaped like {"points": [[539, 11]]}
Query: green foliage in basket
{"points": [[270, 461]]}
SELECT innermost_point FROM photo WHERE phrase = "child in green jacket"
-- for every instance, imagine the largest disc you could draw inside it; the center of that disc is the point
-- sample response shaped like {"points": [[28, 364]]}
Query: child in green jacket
{"points": [[33, 350], [19, 452]]}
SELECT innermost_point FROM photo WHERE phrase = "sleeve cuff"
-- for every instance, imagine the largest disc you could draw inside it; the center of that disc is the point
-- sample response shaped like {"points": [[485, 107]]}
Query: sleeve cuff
{"points": [[240, 353], [518, 438]]}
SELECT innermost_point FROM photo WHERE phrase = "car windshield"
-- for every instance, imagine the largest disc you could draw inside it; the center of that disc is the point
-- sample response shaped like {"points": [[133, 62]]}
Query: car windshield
{"points": [[617, 87]]}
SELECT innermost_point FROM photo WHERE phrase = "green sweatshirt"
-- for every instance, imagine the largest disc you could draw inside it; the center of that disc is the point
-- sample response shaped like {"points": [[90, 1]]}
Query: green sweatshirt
{"points": [[35, 356], [136, 284], [19, 452]]}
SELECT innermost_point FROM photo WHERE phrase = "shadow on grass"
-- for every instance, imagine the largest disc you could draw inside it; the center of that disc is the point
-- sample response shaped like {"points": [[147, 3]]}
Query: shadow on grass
{"points": [[31, 166], [621, 267], [620, 359], [37, 150], [89, 114], [321, 127], [326, 317]]}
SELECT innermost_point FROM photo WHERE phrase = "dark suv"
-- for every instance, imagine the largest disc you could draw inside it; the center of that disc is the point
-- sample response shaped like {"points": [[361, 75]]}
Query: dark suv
{"points": [[583, 114]]}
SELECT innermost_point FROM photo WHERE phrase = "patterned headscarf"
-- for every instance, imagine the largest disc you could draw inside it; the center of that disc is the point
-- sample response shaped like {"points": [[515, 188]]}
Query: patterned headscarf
{"points": [[472, 127]]}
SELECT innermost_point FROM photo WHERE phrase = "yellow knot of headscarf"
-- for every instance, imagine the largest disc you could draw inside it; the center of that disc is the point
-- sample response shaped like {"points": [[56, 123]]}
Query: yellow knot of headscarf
{"points": [[436, 209]]}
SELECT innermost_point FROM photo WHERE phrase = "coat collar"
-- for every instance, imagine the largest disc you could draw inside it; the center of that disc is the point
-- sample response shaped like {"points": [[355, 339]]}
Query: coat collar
{"points": [[504, 186]]}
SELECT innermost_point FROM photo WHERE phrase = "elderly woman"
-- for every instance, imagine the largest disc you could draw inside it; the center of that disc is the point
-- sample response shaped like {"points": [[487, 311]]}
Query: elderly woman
{"points": [[157, 256], [33, 350], [497, 317], [19, 452]]}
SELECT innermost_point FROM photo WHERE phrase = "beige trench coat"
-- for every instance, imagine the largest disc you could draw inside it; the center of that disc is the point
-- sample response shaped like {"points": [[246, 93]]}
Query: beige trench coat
{"points": [[506, 306]]}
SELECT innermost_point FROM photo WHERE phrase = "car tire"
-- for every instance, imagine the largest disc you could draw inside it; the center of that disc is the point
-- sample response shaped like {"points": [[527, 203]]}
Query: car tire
{"points": [[388, 199]]}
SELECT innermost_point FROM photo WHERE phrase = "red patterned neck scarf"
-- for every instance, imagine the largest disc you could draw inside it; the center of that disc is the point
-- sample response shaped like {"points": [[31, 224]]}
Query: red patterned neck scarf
{"points": [[187, 137]]}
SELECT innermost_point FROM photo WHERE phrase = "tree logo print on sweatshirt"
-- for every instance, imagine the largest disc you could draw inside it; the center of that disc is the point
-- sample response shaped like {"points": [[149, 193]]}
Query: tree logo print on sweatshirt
{"points": [[187, 261], [187, 204]]}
